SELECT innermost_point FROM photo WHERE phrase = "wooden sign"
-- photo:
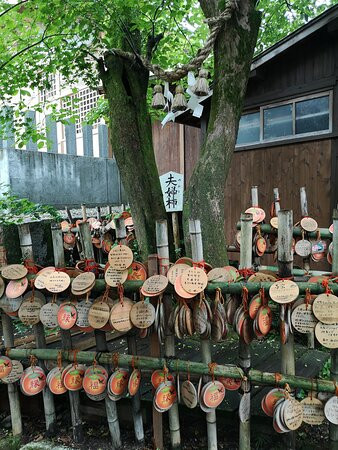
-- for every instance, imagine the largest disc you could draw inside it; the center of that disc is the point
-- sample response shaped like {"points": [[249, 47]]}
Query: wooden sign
{"points": [[33, 381], [284, 291], [219, 275], [83, 282], [120, 257], [175, 271], [57, 282], [274, 222], [41, 277], [292, 414], [66, 316], [120, 315], [55, 383], [15, 374], [98, 314], [258, 214], [302, 318], [325, 308], [137, 272], [331, 410], [115, 277], [172, 185], [118, 381], [5, 366], [303, 248], [14, 271], [154, 285], [73, 377], [29, 312], [49, 315], [142, 314], [189, 394], [313, 411], [194, 280], [165, 396], [213, 394], [180, 291], [134, 382], [82, 309], [327, 335], [10, 305], [309, 224], [15, 288]]}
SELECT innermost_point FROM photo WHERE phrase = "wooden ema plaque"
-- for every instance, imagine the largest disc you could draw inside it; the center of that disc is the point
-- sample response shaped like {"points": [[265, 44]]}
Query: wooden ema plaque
{"points": [[313, 411], [66, 316], [325, 308], [41, 277], [258, 214], [274, 222], [2, 287], [194, 280], [5, 366], [29, 312], [302, 318], [189, 394], [15, 288], [165, 396], [213, 394], [114, 277], [120, 257], [303, 248], [284, 291], [154, 285], [327, 335], [293, 414], [175, 271], [57, 282], [83, 282], [137, 272], [14, 272], [98, 314], [219, 275], [82, 314], [49, 315], [15, 374], [120, 315], [134, 382], [142, 314], [10, 305], [309, 224], [331, 410]]}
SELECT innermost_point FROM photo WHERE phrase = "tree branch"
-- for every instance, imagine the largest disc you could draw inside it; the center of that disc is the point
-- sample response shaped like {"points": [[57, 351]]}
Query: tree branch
{"points": [[152, 44], [12, 7], [209, 7]]}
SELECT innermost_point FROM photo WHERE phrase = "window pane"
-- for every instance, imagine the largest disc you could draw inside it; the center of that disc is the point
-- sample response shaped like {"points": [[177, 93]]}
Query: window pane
{"points": [[312, 115], [248, 131], [278, 122]]}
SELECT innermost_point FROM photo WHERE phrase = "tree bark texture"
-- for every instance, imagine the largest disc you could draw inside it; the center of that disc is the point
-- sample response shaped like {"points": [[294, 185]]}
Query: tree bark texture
{"points": [[126, 86], [233, 52]]}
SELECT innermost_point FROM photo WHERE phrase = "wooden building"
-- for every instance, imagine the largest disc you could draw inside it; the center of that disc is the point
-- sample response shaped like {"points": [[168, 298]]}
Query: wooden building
{"points": [[288, 134]]}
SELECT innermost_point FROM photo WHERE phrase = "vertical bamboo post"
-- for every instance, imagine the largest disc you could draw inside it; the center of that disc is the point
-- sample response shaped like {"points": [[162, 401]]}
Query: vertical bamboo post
{"points": [[66, 339], [169, 345], [39, 332], [197, 255], [244, 349], [276, 200], [285, 266], [176, 231], [334, 353], [86, 240], [254, 203], [306, 261], [132, 350], [84, 212]]}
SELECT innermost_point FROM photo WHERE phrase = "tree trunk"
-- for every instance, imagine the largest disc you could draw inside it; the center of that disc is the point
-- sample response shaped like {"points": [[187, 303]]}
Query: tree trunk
{"points": [[131, 139], [233, 54]]}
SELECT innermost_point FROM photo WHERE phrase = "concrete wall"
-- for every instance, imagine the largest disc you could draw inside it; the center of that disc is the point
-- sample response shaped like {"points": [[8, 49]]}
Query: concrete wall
{"points": [[60, 180]]}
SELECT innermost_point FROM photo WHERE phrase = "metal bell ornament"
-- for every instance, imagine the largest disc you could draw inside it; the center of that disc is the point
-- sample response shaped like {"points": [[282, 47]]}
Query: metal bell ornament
{"points": [[180, 102], [158, 101], [201, 87]]}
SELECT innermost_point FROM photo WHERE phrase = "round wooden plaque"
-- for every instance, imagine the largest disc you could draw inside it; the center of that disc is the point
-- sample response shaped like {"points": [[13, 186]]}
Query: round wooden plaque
{"points": [[292, 414], [57, 282], [82, 314], [274, 222], [114, 277], [313, 411], [302, 318], [213, 394], [15, 374], [142, 314], [258, 215], [137, 272], [165, 396], [42, 276], [120, 315], [83, 281], [10, 305], [331, 410], [15, 288], [5, 366], [134, 382], [175, 271], [154, 285], [180, 291], [98, 314], [189, 394], [284, 291], [325, 308], [66, 316], [29, 312], [327, 335], [120, 257], [14, 271], [303, 248], [49, 315], [194, 280], [309, 224], [219, 275]]}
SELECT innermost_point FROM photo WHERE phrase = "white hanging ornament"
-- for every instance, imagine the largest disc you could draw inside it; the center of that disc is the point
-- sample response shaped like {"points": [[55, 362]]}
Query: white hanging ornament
{"points": [[158, 101], [201, 87], [180, 102]]}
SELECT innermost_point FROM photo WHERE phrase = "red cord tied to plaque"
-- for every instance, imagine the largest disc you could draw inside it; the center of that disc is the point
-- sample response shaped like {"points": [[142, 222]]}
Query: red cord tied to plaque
{"points": [[30, 266], [163, 267], [120, 291], [263, 296], [212, 366], [278, 378], [91, 266], [116, 357], [245, 296], [325, 284], [246, 273], [199, 264], [307, 297]]}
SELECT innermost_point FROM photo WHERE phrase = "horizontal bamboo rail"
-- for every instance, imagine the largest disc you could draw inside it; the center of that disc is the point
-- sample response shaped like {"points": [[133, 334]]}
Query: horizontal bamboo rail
{"points": [[145, 362], [297, 231]]}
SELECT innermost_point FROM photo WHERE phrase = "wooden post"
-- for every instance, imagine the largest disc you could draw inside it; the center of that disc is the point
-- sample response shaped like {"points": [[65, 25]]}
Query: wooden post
{"points": [[244, 349], [285, 266], [39, 332], [84, 212], [66, 339], [169, 345], [306, 261], [197, 255], [254, 203], [276, 200], [176, 231], [121, 235], [86, 240], [334, 353]]}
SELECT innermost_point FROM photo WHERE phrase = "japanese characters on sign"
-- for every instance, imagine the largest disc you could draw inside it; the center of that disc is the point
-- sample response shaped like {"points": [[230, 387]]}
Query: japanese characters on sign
{"points": [[172, 185]]}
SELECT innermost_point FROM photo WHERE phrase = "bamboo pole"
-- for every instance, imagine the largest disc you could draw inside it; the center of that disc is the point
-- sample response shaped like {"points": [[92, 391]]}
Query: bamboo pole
{"points": [[285, 265], [276, 200], [296, 272], [84, 212], [197, 368], [244, 349], [334, 353], [297, 231], [66, 339], [169, 345], [306, 261], [197, 255], [121, 235], [86, 240], [176, 231], [254, 203], [26, 246]]}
